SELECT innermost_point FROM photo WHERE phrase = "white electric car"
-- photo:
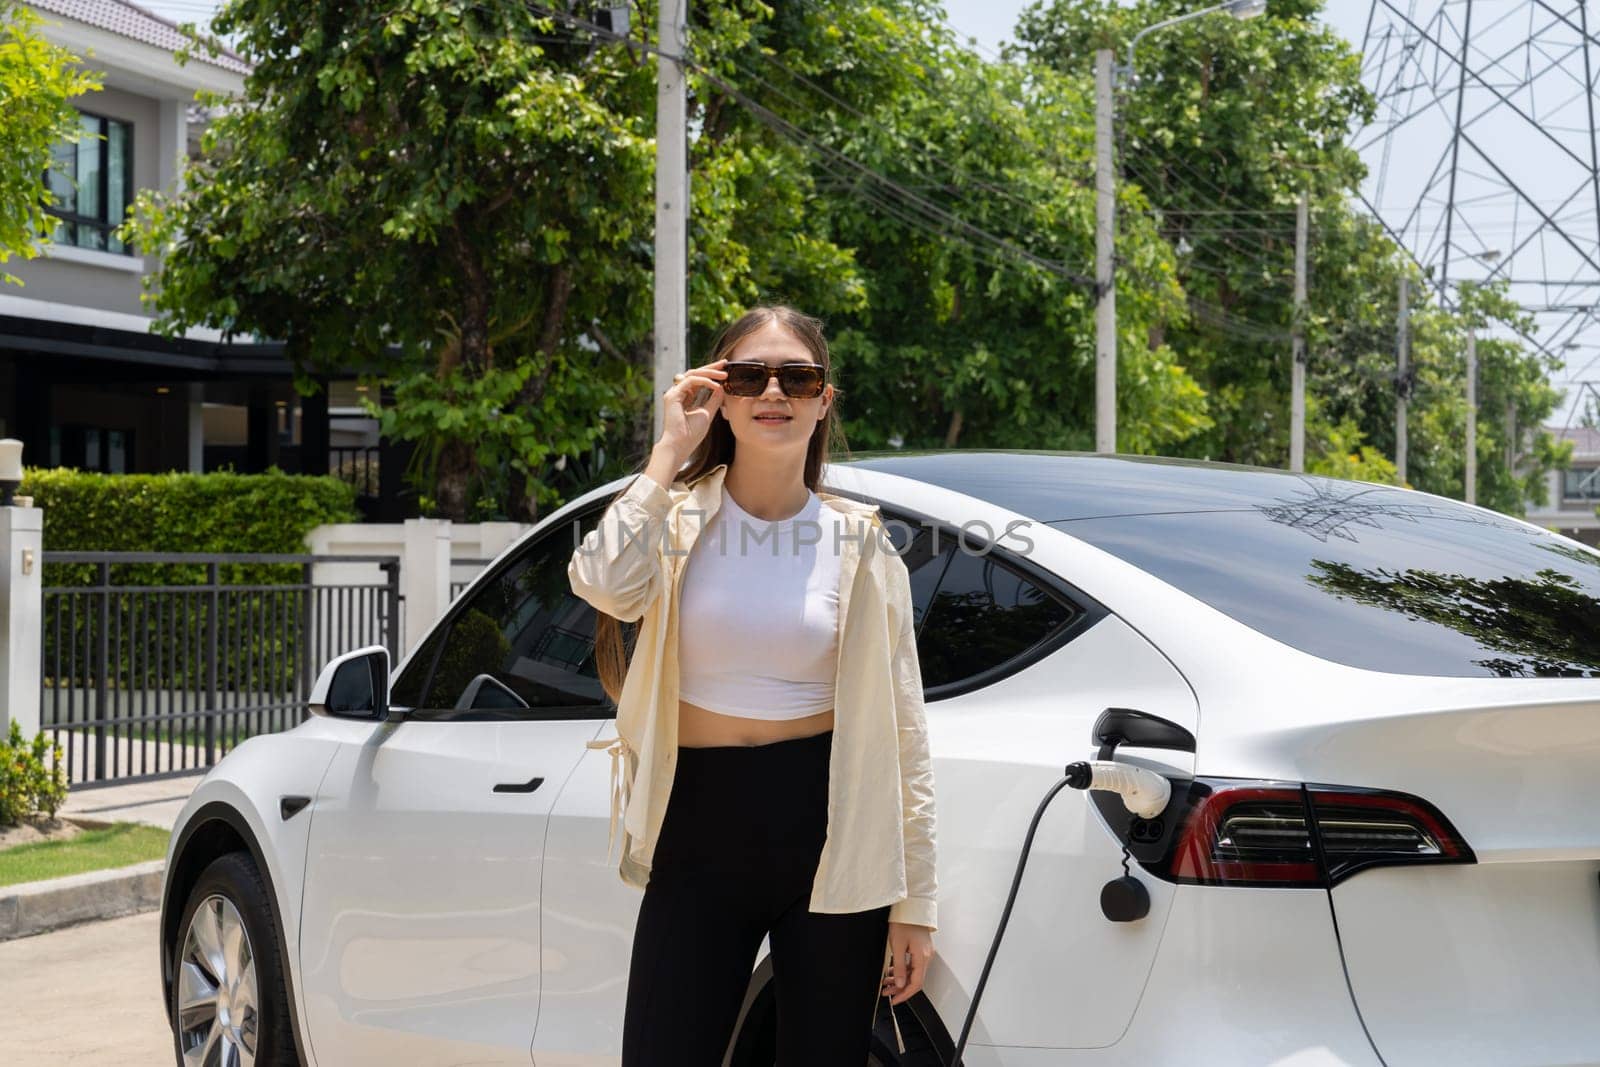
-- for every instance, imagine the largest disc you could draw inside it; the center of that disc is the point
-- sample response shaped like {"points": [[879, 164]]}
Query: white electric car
{"points": [[1379, 710]]}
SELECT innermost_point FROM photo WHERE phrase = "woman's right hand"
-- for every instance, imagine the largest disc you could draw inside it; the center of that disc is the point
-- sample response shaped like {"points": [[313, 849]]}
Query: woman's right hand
{"points": [[684, 427]]}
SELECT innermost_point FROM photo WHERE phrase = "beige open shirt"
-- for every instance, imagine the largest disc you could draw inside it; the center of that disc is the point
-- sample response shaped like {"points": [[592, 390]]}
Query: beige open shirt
{"points": [[880, 840]]}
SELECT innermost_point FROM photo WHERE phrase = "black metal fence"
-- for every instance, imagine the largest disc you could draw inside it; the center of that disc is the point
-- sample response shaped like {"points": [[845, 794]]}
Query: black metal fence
{"points": [[358, 465], [156, 664]]}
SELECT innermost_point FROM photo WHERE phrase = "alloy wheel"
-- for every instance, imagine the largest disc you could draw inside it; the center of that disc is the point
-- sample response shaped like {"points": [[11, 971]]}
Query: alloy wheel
{"points": [[218, 998]]}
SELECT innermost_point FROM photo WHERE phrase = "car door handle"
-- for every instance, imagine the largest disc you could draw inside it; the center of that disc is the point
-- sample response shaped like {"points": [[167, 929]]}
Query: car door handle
{"points": [[519, 787]]}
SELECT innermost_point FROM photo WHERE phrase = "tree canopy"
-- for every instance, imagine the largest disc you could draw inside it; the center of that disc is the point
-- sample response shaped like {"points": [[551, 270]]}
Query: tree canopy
{"points": [[37, 79], [1223, 126], [457, 197]]}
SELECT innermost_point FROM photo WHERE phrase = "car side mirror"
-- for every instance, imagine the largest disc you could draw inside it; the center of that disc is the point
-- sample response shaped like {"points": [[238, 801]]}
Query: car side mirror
{"points": [[354, 686]]}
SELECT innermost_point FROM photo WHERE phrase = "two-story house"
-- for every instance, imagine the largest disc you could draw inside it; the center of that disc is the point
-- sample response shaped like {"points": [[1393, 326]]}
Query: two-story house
{"points": [[1574, 492], [83, 380]]}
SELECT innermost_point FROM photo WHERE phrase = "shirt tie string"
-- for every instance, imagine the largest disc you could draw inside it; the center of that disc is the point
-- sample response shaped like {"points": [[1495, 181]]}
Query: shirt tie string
{"points": [[620, 783]]}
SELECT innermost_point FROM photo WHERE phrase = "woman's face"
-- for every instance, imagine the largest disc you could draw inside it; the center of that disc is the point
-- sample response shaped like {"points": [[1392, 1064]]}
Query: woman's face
{"points": [[774, 346]]}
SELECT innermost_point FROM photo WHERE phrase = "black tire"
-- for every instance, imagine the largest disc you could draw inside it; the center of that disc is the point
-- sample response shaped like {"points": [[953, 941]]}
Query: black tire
{"points": [[234, 878]]}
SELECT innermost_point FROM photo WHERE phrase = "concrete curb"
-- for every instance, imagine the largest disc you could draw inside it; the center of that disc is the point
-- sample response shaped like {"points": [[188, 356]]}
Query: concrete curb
{"points": [[37, 907]]}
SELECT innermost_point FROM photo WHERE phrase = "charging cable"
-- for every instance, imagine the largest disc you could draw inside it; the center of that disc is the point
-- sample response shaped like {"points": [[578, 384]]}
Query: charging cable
{"points": [[1144, 793]]}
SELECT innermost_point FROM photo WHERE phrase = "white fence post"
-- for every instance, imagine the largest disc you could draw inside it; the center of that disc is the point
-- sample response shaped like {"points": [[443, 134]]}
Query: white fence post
{"points": [[424, 576], [21, 616], [495, 537]]}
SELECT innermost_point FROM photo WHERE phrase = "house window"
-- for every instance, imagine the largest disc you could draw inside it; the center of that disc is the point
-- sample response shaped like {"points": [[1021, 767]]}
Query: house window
{"points": [[91, 448], [91, 181], [1580, 483]]}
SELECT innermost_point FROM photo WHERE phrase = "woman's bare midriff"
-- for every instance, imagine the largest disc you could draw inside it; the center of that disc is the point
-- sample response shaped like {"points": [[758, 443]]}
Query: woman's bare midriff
{"points": [[703, 728]]}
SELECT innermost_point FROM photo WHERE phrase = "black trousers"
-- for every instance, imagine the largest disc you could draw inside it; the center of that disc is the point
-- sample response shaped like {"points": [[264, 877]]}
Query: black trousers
{"points": [[734, 862]]}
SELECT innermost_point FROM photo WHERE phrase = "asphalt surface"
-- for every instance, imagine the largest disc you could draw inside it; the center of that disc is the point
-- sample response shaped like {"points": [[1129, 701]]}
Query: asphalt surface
{"points": [[88, 994]]}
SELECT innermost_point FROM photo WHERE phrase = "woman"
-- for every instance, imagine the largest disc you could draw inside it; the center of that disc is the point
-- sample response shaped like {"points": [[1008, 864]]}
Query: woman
{"points": [[771, 767]]}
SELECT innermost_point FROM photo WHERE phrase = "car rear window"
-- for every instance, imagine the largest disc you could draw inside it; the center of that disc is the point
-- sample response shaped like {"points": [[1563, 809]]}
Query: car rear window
{"points": [[1384, 579]]}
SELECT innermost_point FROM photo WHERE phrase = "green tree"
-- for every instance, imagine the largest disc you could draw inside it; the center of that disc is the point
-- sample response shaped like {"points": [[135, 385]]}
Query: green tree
{"points": [[979, 325], [1514, 397], [459, 197], [1224, 126], [1352, 372], [37, 81]]}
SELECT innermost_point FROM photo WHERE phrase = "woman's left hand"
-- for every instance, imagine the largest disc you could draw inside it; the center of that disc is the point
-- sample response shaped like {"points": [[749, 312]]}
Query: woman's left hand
{"points": [[912, 947]]}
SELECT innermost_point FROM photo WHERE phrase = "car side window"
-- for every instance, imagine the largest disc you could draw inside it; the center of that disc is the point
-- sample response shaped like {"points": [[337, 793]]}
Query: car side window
{"points": [[925, 558], [520, 645], [977, 612], [985, 614]]}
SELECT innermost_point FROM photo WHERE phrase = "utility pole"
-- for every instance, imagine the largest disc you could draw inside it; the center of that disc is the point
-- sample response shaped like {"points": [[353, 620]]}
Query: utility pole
{"points": [[1511, 436], [1105, 309], [672, 205], [1297, 401], [1401, 385], [1472, 415]]}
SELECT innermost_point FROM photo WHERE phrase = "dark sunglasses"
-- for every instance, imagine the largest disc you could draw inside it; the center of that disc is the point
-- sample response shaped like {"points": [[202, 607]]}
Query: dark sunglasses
{"points": [[799, 381]]}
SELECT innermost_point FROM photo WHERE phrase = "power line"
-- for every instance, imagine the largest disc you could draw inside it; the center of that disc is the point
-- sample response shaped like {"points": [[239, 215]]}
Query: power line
{"points": [[910, 199], [934, 211], [979, 116], [1024, 102], [926, 151]]}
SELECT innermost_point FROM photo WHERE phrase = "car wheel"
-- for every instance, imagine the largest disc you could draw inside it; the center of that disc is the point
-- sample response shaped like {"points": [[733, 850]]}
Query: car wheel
{"points": [[229, 1005]]}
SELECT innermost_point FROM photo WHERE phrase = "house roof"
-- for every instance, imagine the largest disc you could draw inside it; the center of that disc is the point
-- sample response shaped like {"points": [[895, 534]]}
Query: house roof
{"points": [[1585, 441], [137, 24]]}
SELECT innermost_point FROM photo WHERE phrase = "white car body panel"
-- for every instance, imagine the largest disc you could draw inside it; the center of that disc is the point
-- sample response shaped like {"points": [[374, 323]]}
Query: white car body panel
{"points": [[488, 940], [1244, 977], [997, 751], [1513, 763], [589, 915], [1477, 966], [421, 943], [250, 780]]}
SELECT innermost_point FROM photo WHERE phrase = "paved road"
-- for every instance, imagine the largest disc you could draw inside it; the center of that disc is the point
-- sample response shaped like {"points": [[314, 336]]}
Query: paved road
{"points": [[87, 994], [91, 994]]}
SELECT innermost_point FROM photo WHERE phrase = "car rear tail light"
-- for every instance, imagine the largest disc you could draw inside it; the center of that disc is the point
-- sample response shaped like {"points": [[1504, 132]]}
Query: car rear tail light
{"points": [[1360, 828], [1249, 833]]}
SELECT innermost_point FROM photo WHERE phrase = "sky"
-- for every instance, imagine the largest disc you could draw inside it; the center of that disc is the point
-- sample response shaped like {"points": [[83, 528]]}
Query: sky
{"points": [[991, 21]]}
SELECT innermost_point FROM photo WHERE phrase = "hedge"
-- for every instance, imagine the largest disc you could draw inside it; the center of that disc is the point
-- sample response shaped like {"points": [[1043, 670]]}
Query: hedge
{"points": [[221, 512], [218, 512]]}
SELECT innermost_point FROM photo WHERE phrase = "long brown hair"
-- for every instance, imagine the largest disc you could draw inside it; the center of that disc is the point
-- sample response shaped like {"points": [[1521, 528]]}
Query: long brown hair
{"points": [[610, 656]]}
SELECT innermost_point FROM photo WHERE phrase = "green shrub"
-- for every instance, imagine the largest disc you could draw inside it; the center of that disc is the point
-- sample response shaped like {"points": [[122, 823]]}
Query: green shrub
{"points": [[222, 512], [27, 784], [218, 512]]}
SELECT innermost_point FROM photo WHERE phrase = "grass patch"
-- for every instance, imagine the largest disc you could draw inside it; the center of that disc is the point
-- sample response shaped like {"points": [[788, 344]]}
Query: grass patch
{"points": [[118, 845]]}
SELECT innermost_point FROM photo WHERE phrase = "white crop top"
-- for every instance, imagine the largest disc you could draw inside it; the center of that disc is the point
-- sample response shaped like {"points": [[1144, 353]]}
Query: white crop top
{"points": [[759, 612]]}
